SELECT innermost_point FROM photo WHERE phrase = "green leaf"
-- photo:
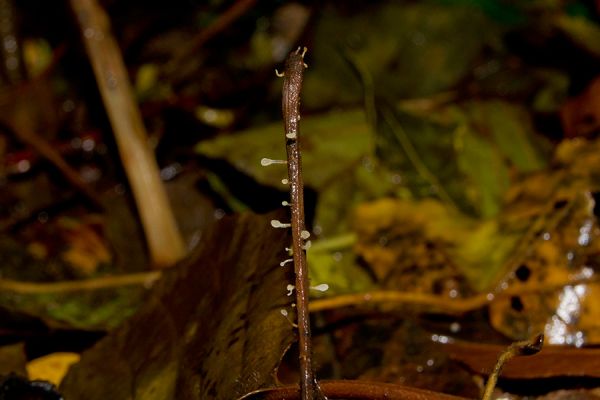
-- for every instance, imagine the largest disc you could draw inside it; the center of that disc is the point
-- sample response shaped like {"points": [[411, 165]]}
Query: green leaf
{"points": [[484, 165], [100, 309], [330, 143], [511, 128], [337, 268], [414, 49], [422, 152], [461, 154]]}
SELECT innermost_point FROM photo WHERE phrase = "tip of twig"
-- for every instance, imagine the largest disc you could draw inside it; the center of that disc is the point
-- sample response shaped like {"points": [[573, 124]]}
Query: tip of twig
{"points": [[532, 346]]}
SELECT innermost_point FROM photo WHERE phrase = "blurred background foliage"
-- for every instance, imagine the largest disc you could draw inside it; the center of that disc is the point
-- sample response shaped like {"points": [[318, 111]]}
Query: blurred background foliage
{"points": [[449, 148]]}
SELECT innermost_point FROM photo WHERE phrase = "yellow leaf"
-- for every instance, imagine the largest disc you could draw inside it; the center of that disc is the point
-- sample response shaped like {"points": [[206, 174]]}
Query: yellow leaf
{"points": [[51, 368]]}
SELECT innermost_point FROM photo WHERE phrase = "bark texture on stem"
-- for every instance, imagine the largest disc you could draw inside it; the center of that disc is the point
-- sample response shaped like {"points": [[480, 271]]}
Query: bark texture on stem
{"points": [[292, 86]]}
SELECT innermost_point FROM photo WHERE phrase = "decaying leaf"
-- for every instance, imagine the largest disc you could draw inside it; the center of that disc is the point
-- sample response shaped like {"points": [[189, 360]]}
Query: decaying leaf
{"points": [[543, 247], [212, 328], [52, 367], [551, 361], [408, 356], [563, 265], [407, 244]]}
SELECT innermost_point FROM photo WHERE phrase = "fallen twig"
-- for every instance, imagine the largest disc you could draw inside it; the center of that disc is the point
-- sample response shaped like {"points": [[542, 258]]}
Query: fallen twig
{"points": [[43, 148], [432, 302], [239, 8], [146, 279], [164, 240]]}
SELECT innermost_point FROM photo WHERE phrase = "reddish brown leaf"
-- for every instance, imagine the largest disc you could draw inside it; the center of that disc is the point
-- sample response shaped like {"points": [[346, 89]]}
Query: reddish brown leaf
{"points": [[354, 390], [551, 361]]}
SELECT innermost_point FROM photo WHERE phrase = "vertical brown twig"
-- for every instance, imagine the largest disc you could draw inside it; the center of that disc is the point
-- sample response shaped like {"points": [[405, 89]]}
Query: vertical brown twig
{"points": [[292, 86], [164, 240]]}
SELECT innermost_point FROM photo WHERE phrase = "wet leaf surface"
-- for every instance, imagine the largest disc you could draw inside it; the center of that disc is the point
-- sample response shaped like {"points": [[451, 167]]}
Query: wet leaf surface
{"points": [[551, 361], [210, 329], [563, 264]]}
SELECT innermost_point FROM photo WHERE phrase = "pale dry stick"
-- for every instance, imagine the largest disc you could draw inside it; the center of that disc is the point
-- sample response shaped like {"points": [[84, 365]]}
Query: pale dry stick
{"points": [[292, 86], [145, 279], [164, 239], [392, 298]]}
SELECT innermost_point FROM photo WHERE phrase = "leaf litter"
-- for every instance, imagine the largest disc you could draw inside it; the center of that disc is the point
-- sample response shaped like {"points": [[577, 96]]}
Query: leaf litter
{"points": [[451, 209]]}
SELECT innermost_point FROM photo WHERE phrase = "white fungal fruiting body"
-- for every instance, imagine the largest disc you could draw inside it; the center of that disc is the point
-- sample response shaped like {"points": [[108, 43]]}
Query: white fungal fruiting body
{"points": [[275, 223], [323, 287], [289, 260], [290, 288], [268, 161]]}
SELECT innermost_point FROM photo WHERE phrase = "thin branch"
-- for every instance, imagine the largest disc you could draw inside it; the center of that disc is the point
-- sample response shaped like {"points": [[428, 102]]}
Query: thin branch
{"points": [[145, 279], [397, 298], [522, 348], [433, 302], [292, 86], [239, 8], [43, 148], [164, 240]]}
